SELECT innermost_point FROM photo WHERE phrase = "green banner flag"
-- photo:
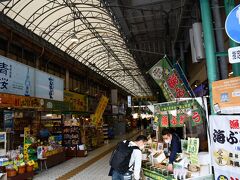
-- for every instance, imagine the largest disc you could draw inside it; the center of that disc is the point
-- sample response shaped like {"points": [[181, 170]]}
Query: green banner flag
{"points": [[168, 80]]}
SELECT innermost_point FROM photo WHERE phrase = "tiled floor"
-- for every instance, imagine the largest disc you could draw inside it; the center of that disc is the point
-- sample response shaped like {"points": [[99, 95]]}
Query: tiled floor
{"points": [[96, 171]]}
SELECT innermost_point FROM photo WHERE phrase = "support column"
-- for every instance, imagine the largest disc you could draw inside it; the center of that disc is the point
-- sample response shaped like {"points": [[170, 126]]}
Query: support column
{"points": [[67, 79], [229, 5], [209, 46], [173, 52], [223, 61], [182, 57]]}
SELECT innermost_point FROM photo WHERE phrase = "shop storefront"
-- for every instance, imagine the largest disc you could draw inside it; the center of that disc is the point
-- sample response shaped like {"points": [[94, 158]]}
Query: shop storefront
{"points": [[188, 119]]}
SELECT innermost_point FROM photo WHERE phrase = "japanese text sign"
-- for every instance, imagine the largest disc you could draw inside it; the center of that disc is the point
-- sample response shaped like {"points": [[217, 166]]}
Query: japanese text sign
{"points": [[234, 55], [174, 114], [100, 109], [225, 145], [226, 94], [77, 101], [168, 80]]}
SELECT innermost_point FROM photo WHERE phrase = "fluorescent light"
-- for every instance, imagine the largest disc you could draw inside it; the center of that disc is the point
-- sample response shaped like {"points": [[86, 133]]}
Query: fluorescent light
{"points": [[74, 38], [49, 115]]}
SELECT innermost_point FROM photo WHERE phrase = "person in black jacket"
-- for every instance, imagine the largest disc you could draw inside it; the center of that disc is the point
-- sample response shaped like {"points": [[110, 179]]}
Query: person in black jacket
{"points": [[174, 144]]}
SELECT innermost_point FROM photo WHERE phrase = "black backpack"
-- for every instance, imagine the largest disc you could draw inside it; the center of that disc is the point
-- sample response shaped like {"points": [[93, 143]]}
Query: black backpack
{"points": [[121, 156]]}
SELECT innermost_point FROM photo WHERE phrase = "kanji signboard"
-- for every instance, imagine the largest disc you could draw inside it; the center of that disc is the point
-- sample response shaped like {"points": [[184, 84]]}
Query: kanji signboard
{"points": [[234, 55], [174, 114], [225, 146]]}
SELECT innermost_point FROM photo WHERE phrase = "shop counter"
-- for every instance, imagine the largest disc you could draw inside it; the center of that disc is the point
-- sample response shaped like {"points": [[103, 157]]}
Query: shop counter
{"points": [[55, 159], [153, 175], [27, 175]]}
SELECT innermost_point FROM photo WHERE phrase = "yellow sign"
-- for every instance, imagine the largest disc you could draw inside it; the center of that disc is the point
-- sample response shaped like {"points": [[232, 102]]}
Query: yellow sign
{"points": [[77, 101], [26, 144], [226, 93], [100, 109]]}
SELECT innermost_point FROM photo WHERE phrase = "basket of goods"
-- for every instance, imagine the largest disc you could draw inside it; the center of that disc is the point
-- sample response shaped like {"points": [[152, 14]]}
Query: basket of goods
{"points": [[21, 169], [11, 171], [30, 165], [29, 168]]}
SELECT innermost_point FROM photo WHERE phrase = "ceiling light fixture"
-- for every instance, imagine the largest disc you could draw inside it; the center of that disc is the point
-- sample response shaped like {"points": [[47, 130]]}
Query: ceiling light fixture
{"points": [[74, 38]]}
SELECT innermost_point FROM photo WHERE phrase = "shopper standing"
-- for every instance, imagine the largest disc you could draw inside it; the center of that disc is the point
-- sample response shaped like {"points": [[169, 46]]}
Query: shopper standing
{"points": [[126, 159]]}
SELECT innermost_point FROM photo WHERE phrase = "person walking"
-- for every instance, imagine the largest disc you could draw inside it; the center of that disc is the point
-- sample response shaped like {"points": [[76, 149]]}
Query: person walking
{"points": [[126, 159]]}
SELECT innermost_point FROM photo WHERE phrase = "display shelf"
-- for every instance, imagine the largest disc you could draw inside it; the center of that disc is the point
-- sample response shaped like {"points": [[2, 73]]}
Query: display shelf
{"points": [[71, 136], [53, 123]]}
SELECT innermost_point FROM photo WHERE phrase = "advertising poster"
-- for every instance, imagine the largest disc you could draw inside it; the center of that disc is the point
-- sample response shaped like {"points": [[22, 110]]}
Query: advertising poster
{"points": [[226, 95], [225, 146], [8, 120], [48, 86], [16, 78]]}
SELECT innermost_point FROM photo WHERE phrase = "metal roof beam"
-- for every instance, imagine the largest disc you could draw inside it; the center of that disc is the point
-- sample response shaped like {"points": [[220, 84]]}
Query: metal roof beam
{"points": [[79, 15]]}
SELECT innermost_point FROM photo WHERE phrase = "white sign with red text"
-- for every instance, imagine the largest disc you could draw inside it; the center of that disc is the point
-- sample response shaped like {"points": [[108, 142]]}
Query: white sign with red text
{"points": [[225, 146]]}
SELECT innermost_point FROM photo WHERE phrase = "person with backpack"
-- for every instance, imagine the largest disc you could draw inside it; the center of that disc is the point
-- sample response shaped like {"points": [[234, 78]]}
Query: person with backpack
{"points": [[126, 159]]}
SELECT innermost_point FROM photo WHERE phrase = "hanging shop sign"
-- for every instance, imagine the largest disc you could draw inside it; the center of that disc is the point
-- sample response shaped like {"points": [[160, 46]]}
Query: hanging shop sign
{"points": [[225, 147], [20, 79], [226, 95], [48, 86], [175, 114], [232, 24], [234, 55], [168, 80], [100, 109], [56, 105], [9, 100], [78, 102], [16, 78]]}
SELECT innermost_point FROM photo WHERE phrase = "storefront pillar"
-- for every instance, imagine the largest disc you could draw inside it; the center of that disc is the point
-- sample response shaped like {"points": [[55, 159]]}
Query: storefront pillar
{"points": [[210, 48], [229, 5], [67, 79]]}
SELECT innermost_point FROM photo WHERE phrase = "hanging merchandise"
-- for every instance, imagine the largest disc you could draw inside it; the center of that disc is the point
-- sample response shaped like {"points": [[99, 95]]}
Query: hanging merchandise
{"points": [[225, 136]]}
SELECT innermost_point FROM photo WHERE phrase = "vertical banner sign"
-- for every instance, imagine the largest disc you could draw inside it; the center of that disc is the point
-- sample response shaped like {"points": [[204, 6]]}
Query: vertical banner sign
{"points": [[129, 100], [168, 80], [26, 143], [157, 72], [49, 86], [225, 146], [100, 109]]}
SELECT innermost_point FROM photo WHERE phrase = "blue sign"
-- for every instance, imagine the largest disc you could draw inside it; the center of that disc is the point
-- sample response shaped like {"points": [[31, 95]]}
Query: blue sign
{"points": [[232, 24]]}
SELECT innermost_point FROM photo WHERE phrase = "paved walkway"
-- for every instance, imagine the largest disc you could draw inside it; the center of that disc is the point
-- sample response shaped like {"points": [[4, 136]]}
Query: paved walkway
{"points": [[93, 167]]}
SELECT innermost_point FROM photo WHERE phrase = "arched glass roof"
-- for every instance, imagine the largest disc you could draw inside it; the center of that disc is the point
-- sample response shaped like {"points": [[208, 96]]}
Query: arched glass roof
{"points": [[100, 45]]}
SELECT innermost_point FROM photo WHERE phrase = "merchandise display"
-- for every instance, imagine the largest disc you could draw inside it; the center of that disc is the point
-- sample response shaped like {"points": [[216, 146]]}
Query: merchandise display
{"points": [[187, 165]]}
